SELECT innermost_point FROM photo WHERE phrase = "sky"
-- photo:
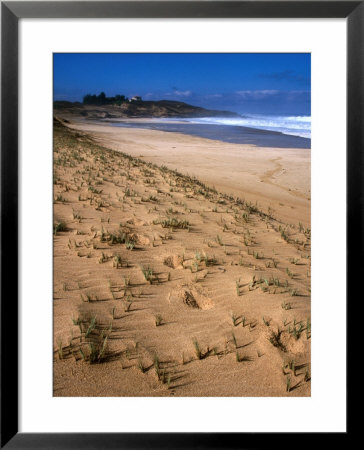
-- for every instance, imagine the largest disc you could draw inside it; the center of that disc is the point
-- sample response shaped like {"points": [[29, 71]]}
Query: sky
{"points": [[256, 83]]}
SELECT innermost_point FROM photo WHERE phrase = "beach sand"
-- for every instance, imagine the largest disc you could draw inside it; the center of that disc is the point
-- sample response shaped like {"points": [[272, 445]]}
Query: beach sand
{"points": [[136, 243]]}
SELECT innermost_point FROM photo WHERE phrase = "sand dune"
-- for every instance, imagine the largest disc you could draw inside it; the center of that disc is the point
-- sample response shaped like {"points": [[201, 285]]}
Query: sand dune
{"points": [[168, 285]]}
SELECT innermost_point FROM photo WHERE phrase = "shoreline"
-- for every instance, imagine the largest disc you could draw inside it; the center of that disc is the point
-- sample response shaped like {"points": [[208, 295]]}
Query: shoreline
{"points": [[278, 179], [228, 133]]}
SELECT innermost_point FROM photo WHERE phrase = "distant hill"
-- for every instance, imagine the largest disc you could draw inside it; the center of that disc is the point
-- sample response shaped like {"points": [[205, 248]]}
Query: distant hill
{"points": [[142, 109]]}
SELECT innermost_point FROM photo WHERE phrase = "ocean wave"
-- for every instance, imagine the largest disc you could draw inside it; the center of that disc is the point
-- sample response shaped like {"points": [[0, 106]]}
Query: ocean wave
{"points": [[291, 125]]}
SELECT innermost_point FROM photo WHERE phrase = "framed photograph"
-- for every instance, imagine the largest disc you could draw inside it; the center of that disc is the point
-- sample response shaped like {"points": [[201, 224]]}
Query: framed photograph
{"points": [[181, 186]]}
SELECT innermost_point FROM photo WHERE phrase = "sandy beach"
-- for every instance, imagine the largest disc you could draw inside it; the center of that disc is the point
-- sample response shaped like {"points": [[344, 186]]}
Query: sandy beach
{"points": [[181, 265], [276, 178]]}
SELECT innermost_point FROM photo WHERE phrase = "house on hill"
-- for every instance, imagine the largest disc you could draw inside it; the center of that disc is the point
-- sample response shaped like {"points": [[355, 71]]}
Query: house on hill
{"points": [[136, 98]]}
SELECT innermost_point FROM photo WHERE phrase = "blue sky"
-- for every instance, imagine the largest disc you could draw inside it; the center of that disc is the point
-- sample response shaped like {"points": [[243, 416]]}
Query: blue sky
{"points": [[258, 83]]}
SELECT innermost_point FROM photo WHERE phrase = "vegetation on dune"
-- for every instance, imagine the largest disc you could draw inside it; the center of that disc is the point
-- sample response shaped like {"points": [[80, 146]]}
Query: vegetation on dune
{"points": [[112, 185]]}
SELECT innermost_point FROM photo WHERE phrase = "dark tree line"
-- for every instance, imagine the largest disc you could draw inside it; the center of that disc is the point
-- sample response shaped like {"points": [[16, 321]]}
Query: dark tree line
{"points": [[101, 99]]}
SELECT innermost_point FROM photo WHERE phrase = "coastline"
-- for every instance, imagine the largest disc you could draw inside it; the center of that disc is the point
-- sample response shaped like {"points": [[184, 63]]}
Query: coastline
{"points": [[234, 134], [276, 178]]}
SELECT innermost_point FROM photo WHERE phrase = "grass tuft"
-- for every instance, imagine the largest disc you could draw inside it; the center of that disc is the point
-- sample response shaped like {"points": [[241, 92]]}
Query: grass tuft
{"points": [[158, 320], [59, 227], [197, 349]]}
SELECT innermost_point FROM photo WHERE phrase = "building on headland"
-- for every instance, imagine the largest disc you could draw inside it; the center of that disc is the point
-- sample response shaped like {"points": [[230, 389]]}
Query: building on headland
{"points": [[136, 98]]}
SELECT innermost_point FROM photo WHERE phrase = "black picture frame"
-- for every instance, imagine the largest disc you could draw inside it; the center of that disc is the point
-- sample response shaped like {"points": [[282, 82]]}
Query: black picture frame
{"points": [[11, 12]]}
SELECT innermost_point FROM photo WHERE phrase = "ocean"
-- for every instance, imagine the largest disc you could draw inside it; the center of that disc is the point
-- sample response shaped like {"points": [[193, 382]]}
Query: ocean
{"points": [[258, 130], [291, 125]]}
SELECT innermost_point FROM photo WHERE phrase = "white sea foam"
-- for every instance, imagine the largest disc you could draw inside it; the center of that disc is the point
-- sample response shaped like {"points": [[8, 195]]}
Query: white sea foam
{"points": [[292, 125]]}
